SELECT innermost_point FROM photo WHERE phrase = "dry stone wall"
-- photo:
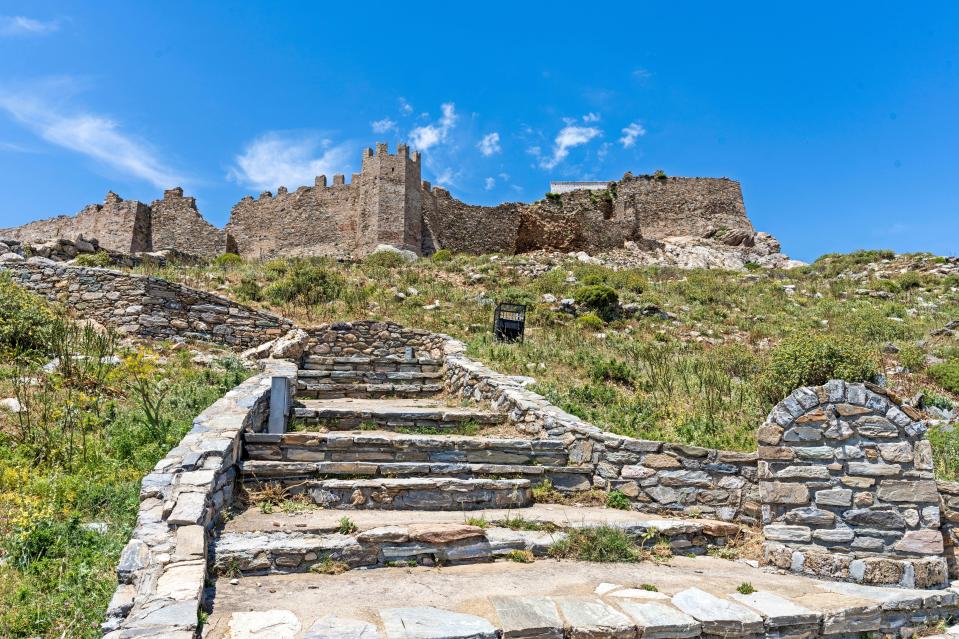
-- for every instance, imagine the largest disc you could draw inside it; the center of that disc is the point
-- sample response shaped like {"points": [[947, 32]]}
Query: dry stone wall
{"points": [[163, 568], [374, 339], [847, 488], [147, 306]]}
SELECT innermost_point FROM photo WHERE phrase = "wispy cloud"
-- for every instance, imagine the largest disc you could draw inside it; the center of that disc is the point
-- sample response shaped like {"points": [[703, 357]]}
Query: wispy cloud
{"points": [[489, 145], [489, 184], [382, 126], [630, 133], [93, 135], [289, 159], [405, 107], [591, 117], [21, 25], [569, 136], [424, 137]]}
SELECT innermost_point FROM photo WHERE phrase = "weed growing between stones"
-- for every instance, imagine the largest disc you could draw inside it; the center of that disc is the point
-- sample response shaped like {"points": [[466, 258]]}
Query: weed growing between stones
{"points": [[607, 544], [518, 522], [618, 500], [745, 588], [328, 566], [649, 588], [521, 556], [346, 527], [479, 522]]}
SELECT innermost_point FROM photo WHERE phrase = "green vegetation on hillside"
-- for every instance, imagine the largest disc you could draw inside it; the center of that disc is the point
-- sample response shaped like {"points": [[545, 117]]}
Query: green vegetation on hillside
{"points": [[72, 459], [697, 356]]}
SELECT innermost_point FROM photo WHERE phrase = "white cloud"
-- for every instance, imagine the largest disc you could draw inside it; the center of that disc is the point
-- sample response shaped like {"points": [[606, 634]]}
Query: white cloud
{"points": [[630, 133], [288, 159], [405, 107], [489, 145], [447, 177], [489, 184], [641, 74], [424, 137], [591, 117], [93, 135], [568, 137], [603, 151], [382, 126], [21, 25]]}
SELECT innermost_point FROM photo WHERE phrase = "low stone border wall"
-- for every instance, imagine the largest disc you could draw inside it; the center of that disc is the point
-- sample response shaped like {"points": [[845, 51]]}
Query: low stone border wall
{"points": [[147, 306], [949, 512], [656, 475], [373, 339], [163, 567]]}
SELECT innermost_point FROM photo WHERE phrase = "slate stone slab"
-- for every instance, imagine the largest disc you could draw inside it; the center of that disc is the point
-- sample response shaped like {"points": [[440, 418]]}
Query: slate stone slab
{"points": [[434, 623], [718, 616], [778, 610], [659, 621], [588, 618], [266, 624], [341, 628], [528, 617]]}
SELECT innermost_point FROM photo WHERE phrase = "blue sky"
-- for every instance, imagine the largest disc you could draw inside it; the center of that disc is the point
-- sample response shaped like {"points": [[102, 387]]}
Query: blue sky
{"points": [[841, 120]]}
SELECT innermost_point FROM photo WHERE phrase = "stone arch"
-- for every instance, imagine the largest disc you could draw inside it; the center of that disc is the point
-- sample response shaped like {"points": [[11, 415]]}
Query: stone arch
{"points": [[847, 488]]}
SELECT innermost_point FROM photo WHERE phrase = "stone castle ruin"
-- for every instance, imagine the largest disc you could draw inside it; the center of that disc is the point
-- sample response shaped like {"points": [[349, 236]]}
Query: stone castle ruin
{"points": [[387, 202]]}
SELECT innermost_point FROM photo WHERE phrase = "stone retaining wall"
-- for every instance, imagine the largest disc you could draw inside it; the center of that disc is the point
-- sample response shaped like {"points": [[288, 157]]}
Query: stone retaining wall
{"points": [[163, 567], [659, 476], [949, 507], [374, 339], [147, 306]]}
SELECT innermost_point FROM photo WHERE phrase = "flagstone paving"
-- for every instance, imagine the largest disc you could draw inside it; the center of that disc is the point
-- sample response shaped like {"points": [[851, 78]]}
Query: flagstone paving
{"points": [[551, 599]]}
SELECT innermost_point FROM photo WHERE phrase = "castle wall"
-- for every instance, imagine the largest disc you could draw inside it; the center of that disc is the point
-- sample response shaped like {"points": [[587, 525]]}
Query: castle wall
{"points": [[177, 224], [316, 220], [387, 203], [671, 206], [118, 225]]}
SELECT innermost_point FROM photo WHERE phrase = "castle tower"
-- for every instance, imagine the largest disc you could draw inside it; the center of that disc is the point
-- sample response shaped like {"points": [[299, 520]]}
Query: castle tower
{"points": [[391, 204]]}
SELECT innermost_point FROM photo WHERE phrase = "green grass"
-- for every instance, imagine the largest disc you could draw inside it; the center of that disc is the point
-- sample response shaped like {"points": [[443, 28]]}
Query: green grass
{"points": [[75, 457], [708, 378]]}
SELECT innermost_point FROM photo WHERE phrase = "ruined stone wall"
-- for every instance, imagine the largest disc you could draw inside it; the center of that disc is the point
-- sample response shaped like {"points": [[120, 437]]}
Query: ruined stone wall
{"points": [[671, 206], [147, 306], [317, 220], [118, 225], [177, 224], [465, 228], [373, 339], [847, 488]]}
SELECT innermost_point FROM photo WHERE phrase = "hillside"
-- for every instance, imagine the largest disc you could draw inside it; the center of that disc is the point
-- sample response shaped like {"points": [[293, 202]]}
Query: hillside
{"points": [[697, 356]]}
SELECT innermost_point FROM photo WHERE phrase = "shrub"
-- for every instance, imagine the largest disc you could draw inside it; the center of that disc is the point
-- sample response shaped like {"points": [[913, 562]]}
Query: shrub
{"points": [[618, 500], [912, 357], [442, 255], [810, 360], [745, 588], [305, 282], [248, 290], [611, 370], [946, 375], [590, 322], [598, 297], [227, 261], [385, 259], [26, 321], [99, 259]]}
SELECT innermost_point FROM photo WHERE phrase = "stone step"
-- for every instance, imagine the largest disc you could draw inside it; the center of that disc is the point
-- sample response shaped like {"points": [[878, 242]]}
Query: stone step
{"points": [[308, 389], [385, 446], [415, 493], [375, 364], [261, 543], [369, 377], [391, 415], [563, 478]]}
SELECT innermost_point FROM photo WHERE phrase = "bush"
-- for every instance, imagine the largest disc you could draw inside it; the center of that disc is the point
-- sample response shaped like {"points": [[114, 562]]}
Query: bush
{"points": [[611, 370], [26, 321], [598, 297], [99, 259], [305, 282], [442, 255], [590, 322], [248, 290], [618, 500], [385, 259], [811, 360], [946, 375], [227, 261]]}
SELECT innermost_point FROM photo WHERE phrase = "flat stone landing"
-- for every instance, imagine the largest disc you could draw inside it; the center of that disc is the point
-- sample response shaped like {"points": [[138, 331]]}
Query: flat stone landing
{"points": [[554, 599]]}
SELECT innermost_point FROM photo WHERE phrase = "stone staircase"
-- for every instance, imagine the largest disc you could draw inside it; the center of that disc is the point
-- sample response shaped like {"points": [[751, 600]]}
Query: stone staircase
{"points": [[364, 377]]}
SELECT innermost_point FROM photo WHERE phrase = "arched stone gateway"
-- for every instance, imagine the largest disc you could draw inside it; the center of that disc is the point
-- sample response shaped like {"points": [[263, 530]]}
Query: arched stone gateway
{"points": [[847, 488]]}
